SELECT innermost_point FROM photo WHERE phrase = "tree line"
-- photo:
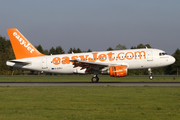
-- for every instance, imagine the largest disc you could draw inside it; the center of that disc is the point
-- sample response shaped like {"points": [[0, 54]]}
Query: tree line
{"points": [[6, 53], [59, 50]]}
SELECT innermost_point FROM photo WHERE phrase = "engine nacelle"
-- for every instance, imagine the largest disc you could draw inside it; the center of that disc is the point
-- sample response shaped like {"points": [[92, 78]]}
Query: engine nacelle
{"points": [[118, 71]]}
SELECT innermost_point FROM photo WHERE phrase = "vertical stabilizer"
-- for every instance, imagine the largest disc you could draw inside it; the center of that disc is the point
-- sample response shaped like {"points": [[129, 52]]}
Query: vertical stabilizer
{"points": [[21, 46]]}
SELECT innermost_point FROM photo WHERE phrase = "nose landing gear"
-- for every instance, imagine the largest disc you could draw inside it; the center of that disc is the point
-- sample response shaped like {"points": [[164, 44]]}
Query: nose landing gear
{"points": [[150, 74]]}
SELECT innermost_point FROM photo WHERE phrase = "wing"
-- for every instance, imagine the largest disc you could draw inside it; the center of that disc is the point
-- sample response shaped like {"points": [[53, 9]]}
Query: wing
{"points": [[89, 66]]}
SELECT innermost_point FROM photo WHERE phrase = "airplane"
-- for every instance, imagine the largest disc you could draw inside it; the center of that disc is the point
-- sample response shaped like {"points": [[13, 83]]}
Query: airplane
{"points": [[116, 63]]}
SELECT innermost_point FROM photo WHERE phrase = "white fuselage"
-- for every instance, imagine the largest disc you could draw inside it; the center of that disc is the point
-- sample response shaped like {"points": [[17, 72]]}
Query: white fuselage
{"points": [[132, 58]]}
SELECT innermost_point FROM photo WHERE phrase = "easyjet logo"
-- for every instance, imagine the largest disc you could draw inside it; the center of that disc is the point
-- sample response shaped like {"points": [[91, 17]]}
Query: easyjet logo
{"points": [[23, 42], [93, 57]]}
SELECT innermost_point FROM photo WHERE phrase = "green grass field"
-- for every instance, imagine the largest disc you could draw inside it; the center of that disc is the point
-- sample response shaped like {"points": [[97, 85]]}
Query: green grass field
{"points": [[87, 78], [89, 103]]}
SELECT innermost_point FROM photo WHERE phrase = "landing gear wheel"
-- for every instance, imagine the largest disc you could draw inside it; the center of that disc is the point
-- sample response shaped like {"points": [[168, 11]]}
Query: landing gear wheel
{"points": [[151, 77], [95, 79], [150, 73]]}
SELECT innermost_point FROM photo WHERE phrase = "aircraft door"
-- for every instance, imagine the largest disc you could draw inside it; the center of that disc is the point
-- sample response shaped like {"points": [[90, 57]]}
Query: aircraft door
{"points": [[149, 55]]}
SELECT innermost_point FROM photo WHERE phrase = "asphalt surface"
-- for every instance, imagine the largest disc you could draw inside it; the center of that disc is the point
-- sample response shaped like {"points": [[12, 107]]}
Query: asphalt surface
{"points": [[78, 84]]}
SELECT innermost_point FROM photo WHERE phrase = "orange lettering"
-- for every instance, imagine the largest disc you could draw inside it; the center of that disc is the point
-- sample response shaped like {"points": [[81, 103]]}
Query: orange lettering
{"points": [[66, 60], [94, 57], [139, 53], [83, 58], [74, 58], [56, 61], [110, 56], [131, 56], [102, 57], [120, 56]]}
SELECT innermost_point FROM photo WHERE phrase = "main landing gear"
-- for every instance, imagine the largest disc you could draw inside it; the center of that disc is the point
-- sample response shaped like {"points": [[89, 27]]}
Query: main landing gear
{"points": [[150, 74], [95, 79]]}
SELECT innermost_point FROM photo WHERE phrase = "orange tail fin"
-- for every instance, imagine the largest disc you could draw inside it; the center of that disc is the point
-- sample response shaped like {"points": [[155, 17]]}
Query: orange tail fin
{"points": [[21, 46]]}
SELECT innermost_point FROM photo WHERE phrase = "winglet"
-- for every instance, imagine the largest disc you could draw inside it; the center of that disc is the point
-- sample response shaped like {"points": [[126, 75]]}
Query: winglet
{"points": [[21, 46]]}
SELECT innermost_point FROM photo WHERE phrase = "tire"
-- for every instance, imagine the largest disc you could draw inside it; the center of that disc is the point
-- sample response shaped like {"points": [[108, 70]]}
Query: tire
{"points": [[151, 77], [95, 79]]}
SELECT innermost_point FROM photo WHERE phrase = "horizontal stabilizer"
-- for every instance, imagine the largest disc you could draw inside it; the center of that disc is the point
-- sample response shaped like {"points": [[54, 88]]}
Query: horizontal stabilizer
{"points": [[18, 62]]}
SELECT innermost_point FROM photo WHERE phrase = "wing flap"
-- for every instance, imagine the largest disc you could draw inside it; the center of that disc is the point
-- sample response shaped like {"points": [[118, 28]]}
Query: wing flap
{"points": [[89, 66]]}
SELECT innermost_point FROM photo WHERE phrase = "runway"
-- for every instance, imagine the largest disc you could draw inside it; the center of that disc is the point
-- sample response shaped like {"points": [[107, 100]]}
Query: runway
{"points": [[85, 84]]}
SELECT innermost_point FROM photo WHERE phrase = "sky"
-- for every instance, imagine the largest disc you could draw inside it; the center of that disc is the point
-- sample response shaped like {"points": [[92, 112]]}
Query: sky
{"points": [[94, 24]]}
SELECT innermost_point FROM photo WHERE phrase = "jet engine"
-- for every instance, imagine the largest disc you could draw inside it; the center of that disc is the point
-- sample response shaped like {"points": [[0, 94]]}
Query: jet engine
{"points": [[118, 71]]}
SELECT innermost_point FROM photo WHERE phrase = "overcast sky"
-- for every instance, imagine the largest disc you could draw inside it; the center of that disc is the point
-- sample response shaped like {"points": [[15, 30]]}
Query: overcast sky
{"points": [[94, 24]]}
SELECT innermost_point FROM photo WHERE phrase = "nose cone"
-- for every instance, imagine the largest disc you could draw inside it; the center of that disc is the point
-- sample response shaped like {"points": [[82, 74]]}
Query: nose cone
{"points": [[172, 60]]}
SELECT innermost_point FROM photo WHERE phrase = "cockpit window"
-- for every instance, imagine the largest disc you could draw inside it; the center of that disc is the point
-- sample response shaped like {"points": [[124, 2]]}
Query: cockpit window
{"points": [[162, 54]]}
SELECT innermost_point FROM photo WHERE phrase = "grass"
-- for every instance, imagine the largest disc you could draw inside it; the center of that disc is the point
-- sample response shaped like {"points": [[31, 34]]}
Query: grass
{"points": [[89, 103], [87, 78]]}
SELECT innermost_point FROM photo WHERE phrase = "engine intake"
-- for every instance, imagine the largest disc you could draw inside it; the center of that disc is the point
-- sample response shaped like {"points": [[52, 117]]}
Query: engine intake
{"points": [[118, 71]]}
